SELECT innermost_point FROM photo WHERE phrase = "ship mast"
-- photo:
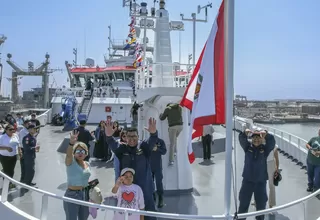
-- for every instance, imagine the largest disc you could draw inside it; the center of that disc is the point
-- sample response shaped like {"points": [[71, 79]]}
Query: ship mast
{"points": [[2, 40]]}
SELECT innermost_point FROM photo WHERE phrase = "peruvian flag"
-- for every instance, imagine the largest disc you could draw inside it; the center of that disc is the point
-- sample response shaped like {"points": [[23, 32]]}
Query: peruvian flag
{"points": [[205, 95]]}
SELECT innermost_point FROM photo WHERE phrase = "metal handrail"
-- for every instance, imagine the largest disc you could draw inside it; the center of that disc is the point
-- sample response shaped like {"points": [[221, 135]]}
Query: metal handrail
{"points": [[271, 128], [46, 195]]}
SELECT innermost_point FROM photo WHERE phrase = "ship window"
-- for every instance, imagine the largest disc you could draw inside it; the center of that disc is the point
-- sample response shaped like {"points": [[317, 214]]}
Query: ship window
{"points": [[129, 76], [111, 77], [121, 107], [119, 76]]}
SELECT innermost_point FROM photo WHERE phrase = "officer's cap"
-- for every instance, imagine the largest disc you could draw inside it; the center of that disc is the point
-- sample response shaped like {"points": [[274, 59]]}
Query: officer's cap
{"points": [[277, 178], [256, 133], [123, 171], [31, 126]]}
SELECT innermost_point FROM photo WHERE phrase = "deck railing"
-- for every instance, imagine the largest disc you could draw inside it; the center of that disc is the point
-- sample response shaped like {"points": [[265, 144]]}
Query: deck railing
{"points": [[46, 195], [163, 75], [240, 124]]}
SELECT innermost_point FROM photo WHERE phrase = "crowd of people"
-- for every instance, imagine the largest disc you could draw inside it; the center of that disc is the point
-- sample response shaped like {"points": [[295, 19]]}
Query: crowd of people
{"points": [[138, 164], [18, 141]]}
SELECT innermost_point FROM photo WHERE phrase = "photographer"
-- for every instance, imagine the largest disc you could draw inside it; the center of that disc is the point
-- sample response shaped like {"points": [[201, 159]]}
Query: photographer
{"points": [[313, 163], [255, 173]]}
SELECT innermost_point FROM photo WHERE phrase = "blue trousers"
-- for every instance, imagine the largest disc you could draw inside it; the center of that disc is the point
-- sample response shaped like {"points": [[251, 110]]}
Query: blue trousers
{"points": [[149, 203], [158, 176], [260, 196], [29, 170], [313, 172], [74, 211]]}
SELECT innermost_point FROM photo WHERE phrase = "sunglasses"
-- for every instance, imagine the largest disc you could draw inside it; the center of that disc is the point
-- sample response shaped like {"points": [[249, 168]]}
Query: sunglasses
{"points": [[80, 152], [11, 129], [131, 136]]}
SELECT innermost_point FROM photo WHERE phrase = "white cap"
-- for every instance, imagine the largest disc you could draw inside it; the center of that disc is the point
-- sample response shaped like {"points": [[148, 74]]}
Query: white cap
{"points": [[124, 170]]}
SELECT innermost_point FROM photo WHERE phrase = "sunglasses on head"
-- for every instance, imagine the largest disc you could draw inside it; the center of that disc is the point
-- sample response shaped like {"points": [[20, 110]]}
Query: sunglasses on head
{"points": [[80, 152]]}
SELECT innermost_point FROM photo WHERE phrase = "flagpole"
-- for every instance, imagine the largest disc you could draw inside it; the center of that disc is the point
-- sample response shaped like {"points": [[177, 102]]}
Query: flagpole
{"points": [[228, 68]]}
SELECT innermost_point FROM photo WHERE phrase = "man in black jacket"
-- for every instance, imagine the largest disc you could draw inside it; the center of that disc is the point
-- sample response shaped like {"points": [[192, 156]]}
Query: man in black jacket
{"points": [[173, 112]]}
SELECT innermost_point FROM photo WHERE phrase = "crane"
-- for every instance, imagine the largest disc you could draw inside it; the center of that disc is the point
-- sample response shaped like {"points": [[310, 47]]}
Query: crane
{"points": [[43, 70]]}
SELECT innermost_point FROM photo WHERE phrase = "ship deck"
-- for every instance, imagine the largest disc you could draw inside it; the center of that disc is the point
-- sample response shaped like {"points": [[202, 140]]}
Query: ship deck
{"points": [[205, 200]]}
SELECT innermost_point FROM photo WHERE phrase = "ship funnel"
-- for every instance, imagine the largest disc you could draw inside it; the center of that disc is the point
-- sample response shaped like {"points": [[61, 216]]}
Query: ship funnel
{"points": [[89, 62]]}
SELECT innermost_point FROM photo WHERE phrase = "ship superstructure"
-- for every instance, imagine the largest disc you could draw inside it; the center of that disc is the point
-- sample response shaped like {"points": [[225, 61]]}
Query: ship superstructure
{"points": [[114, 84]]}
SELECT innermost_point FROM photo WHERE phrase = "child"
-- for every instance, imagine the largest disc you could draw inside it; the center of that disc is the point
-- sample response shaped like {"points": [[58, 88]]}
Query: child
{"points": [[129, 195]]}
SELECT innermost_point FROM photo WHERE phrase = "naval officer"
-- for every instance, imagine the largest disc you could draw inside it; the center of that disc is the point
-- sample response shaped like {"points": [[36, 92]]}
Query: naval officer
{"points": [[255, 174], [156, 168], [136, 155], [29, 143]]}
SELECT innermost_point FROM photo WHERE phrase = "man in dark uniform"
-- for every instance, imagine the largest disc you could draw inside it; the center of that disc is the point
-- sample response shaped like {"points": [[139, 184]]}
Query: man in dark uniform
{"points": [[84, 134], [156, 168], [137, 155], [29, 143], [134, 113], [255, 174], [36, 122], [22, 133]]}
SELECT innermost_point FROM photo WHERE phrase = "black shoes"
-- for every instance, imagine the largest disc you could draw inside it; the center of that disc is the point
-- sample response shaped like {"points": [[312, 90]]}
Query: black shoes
{"points": [[160, 201], [310, 189]]}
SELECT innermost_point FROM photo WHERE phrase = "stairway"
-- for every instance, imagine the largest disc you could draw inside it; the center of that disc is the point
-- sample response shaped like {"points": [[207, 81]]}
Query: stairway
{"points": [[86, 106]]}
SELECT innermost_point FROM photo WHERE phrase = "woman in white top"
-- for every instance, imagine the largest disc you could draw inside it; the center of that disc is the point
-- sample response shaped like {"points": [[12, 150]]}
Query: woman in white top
{"points": [[9, 143]]}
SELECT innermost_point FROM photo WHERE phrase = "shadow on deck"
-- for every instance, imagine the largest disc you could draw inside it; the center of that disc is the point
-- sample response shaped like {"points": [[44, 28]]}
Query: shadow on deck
{"points": [[208, 178]]}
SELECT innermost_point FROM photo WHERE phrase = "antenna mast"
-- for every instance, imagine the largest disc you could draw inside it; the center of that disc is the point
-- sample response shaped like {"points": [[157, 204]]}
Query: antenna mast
{"points": [[2, 40]]}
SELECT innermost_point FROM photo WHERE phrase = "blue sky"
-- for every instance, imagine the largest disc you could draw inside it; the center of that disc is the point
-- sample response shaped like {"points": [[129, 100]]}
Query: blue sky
{"points": [[277, 47]]}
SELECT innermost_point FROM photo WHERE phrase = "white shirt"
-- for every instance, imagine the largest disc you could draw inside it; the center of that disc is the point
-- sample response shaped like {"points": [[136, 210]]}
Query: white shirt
{"points": [[12, 142], [129, 197], [22, 134], [207, 129]]}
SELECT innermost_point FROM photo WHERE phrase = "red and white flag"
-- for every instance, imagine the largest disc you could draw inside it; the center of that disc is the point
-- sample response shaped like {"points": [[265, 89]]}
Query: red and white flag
{"points": [[205, 95]]}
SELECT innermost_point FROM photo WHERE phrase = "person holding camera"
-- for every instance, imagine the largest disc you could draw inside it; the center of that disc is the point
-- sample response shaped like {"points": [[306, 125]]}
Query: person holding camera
{"points": [[313, 163], [255, 174]]}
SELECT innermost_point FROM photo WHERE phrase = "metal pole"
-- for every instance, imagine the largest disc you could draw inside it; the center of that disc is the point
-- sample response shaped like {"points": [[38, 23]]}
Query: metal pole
{"points": [[228, 70], [109, 48], [194, 38], [145, 41], [179, 47]]}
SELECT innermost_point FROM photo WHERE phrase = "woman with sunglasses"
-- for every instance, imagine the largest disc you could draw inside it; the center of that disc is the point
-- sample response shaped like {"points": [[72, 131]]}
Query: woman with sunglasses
{"points": [[78, 174], [9, 143]]}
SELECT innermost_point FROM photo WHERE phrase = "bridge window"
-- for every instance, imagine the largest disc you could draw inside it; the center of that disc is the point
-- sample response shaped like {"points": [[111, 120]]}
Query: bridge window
{"points": [[111, 76], [129, 76], [119, 76], [79, 80]]}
